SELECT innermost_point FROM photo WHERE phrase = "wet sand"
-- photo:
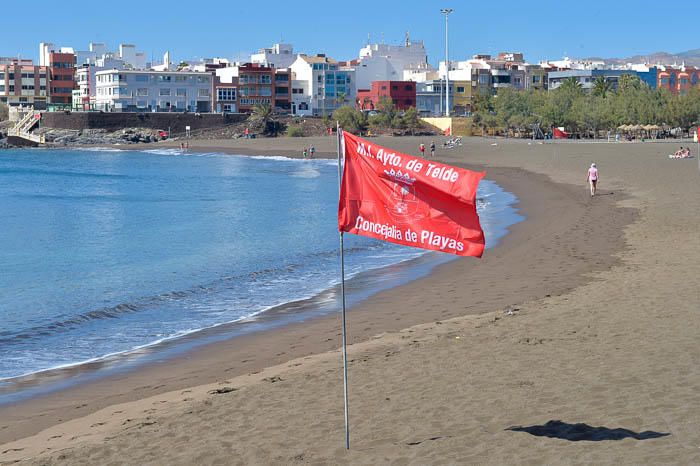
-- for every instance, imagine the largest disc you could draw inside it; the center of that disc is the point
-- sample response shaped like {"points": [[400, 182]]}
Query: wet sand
{"points": [[579, 326]]}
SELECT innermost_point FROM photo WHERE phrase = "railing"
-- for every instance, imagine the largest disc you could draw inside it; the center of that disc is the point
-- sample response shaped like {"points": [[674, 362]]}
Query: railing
{"points": [[24, 125]]}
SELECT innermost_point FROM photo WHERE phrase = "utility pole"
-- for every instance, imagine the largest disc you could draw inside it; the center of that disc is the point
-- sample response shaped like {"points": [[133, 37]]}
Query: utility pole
{"points": [[446, 12]]}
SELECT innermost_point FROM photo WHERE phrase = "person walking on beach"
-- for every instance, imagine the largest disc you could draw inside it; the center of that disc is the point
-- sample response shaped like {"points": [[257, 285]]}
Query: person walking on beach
{"points": [[592, 178], [421, 148], [304, 152], [312, 151], [432, 148]]}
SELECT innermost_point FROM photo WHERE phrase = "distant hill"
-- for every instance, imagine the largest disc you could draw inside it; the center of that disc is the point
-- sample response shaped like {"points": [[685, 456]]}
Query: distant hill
{"points": [[690, 58]]}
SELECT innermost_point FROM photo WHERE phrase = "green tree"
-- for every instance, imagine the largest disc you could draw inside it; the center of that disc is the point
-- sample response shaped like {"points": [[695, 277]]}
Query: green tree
{"points": [[411, 120], [601, 87], [571, 85], [350, 119], [263, 119], [628, 82]]}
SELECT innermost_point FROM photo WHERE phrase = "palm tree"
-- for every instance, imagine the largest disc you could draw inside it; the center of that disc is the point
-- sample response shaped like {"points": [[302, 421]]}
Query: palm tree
{"points": [[570, 84], [263, 119], [601, 87]]}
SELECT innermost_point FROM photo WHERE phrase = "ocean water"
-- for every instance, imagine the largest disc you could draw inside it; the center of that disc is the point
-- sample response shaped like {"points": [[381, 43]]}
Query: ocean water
{"points": [[104, 251]]}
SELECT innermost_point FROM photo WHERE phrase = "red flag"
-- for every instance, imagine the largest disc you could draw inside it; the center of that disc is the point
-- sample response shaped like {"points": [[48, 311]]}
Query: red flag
{"points": [[448, 131], [409, 200], [559, 133]]}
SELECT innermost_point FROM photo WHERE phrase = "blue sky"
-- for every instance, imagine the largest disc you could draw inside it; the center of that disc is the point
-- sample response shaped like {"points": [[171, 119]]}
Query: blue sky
{"points": [[231, 29]]}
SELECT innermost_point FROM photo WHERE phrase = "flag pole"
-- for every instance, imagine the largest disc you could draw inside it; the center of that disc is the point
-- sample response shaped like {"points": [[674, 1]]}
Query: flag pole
{"points": [[342, 298]]}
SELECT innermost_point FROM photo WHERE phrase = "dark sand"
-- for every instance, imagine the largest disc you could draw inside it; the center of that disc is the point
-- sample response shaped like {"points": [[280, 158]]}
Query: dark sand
{"points": [[591, 283]]}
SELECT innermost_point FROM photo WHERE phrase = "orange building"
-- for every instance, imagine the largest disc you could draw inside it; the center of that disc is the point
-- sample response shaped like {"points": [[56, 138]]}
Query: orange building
{"points": [[678, 80]]}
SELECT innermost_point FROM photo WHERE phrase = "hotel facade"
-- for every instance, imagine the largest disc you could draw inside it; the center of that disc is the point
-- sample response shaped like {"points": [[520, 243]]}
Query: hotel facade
{"points": [[153, 91]]}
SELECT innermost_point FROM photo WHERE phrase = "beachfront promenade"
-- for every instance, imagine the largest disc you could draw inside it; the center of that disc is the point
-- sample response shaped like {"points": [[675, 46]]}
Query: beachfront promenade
{"points": [[572, 342]]}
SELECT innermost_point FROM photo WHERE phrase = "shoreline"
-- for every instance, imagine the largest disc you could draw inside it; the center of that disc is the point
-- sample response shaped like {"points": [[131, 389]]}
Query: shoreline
{"points": [[270, 348]]}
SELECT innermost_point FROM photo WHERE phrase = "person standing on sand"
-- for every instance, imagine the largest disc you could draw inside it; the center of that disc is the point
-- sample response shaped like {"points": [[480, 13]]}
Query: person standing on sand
{"points": [[432, 149], [312, 151], [592, 178], [421, 148], [304, 152]]}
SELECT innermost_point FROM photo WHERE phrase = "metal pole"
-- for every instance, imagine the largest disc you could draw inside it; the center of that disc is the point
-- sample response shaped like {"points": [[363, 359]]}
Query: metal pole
{"points": [[446, 12], [342, 298]]}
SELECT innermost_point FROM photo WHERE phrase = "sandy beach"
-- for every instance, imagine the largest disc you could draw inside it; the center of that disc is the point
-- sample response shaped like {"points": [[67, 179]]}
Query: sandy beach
{"points": [[572, 342]]}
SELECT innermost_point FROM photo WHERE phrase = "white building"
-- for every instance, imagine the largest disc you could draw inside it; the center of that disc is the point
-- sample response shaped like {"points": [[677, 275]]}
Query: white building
{"points": [[97, 51], [277, 56], [153, 91], [383, 62], [319, 85]]}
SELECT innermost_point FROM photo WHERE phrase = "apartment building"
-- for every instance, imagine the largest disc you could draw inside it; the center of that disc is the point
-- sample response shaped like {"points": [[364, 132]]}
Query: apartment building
{"points": [[386, 62], [22, 83], [278, 56], [62, 78], [255, 85], [401, 93], [675, 80], [320, 86], [587, 77], [154, 91]]}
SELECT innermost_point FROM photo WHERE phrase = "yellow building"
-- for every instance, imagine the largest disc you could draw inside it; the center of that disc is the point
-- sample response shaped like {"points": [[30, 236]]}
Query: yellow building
{"points": [[462, 97]]}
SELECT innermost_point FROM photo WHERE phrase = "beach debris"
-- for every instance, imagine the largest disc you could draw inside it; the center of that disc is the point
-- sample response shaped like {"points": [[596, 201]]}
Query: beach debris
{"points": [[222, 390], [511, 310], [272, 379]]}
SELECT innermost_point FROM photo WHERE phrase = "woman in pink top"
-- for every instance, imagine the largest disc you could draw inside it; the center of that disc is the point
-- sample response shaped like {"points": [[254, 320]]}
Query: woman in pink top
{"points": [[593, 178]]}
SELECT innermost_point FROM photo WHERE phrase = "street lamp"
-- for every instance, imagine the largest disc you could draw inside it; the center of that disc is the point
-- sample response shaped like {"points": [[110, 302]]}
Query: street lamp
{"points": [[446, 12]]}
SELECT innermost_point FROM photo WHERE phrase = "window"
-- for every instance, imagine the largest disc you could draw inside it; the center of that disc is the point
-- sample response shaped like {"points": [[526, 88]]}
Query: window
{"points": [[202, 92], [27, 88], [282, 77], [684, 80], [282, 90], [164, 79], [226, 93], [535, 79], [141, 104], [384, 88], [142, 78], [297, 90], [2, 76], [181, 92], [408, 87], [408, 101], [203, 79], [265, 79], [28, 75], [460, 89], [265, 91], [181, 78], [164, 91], [2, 88], [142, 91], [394, 88]]}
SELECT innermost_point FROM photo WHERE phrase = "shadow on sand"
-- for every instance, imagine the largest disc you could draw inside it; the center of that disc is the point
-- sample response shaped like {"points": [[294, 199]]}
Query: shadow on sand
{"points": [[578, 432]]}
